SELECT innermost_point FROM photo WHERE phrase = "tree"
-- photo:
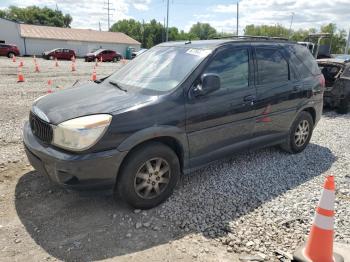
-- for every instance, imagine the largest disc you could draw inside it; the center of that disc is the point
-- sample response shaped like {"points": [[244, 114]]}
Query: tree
{"points": [[149, 34], [203, 31], [37, 16], [266, 30], [338, 38]]}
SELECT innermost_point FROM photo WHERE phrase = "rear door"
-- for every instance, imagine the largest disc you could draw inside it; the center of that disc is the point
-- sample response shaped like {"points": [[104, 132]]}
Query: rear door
{"points": [[278, 91], [222, 122]]}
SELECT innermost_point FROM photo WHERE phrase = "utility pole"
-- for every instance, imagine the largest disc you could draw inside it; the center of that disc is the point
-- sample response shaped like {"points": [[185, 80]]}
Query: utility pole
{"points": [[237, 17], [347, 44], [167, 22], [291, 23], [108, 8]]}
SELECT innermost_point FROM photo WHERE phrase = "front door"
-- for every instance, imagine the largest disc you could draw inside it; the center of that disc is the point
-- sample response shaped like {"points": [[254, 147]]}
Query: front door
{"points": [[3, 49], [221, 122]]}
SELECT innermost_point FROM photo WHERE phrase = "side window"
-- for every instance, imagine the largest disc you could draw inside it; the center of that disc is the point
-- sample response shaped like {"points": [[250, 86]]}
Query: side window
{"points": [[272, 67], [232, 66]]}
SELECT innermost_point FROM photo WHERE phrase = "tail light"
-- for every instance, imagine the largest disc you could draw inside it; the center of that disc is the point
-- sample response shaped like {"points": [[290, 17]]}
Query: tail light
{"points": [[322, 80]]}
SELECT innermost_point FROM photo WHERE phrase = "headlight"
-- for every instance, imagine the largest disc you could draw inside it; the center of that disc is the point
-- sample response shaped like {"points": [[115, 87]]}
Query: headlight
{"points": [[80, 133]]}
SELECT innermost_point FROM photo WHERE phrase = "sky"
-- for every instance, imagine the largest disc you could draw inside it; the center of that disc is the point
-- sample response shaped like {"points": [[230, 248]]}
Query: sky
{"points": [[219, 13]]}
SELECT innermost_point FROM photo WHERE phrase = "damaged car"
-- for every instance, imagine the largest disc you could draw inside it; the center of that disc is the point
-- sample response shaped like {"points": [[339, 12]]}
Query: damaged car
{"points": [[337, 76]]}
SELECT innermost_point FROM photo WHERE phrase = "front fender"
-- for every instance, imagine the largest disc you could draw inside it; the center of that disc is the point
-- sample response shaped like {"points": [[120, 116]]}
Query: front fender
{"points": [[157, 132]]}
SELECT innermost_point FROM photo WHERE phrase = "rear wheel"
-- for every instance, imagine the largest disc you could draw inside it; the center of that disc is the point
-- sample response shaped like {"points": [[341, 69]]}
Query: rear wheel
{"points": [[343, 107], [149, 175], [10, 55], [51, 57], [115, 59], [299, 134]]}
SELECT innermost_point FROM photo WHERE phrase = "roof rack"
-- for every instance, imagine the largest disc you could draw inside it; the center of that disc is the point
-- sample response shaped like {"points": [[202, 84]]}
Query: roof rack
{"points": [[253, 37]]}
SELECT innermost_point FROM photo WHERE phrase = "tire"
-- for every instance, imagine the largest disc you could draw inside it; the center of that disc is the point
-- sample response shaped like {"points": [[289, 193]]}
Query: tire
{"points": [[343, 107], [51, 57], [296, 143], [137, 186], [115, 59], [10, 54]]}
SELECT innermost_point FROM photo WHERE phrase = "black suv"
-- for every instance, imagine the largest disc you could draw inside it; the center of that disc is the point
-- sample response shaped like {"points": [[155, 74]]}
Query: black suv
{"points": [[177, 107]]}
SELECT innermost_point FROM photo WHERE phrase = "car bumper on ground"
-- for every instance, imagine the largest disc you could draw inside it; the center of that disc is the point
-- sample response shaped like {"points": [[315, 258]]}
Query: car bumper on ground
{"points": [[76, 171]]}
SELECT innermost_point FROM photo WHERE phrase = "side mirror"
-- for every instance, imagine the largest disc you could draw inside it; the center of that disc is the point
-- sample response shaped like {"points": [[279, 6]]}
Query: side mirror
{"points": [[209, 83]]}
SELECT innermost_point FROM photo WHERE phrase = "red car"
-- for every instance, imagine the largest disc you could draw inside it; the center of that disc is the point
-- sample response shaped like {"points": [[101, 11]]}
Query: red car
{"points": [[9, 50], [107, 56], [60, 54]]}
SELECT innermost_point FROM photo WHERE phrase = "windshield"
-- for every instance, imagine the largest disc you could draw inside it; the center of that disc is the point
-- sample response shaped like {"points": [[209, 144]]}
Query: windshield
{"points": [[159, 69]]}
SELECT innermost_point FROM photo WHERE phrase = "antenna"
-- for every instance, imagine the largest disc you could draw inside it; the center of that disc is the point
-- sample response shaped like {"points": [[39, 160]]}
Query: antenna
{"points": [[108, 8]]}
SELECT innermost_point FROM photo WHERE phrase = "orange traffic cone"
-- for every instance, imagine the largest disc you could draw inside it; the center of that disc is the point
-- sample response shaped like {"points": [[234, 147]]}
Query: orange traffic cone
{"points": [[49, 84], [37, 69], [73, 59], [14, 59], [20, 77], [73, 67], [101, 59], [93, 76], [34, 58], [21, 64], [319, 247], [56, 62]]}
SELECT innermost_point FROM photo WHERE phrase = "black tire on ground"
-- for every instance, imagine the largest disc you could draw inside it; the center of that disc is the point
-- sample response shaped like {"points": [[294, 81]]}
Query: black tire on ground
{"points": [[343, 107], [51, 57], [115, 59], [128, 181], [10, 54], [292, 144]]}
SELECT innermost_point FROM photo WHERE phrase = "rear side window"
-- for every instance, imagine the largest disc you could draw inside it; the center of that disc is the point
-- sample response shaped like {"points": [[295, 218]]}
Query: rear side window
{"points": [[303, 61], [272, 67]]}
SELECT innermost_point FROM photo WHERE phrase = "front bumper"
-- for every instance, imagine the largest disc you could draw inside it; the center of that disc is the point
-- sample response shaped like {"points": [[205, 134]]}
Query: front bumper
{"points": [[77, 171]]}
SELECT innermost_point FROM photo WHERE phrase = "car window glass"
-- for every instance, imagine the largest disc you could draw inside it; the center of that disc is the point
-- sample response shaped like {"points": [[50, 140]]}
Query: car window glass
{"points": [[272, 67], [232, 67], [305, 57]]}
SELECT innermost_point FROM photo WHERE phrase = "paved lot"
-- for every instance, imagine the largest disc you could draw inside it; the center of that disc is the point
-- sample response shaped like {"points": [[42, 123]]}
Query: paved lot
{"points": [[251, 203]]}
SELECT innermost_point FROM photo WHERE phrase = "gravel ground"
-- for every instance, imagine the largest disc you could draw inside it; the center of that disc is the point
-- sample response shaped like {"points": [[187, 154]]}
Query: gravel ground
{"points": [[251, 204]]}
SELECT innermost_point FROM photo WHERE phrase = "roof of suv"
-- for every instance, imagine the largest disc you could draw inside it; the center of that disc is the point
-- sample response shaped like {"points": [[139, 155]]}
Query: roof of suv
{"points": [[212, 44]]}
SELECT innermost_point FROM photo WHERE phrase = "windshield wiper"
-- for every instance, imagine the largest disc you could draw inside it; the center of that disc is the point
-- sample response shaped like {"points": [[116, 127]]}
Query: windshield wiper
{"points": [[117, 86]]}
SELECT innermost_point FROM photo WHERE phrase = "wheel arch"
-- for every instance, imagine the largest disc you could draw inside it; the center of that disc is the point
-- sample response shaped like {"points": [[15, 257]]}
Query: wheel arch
{"points": [[311, 111], [172, 137]]}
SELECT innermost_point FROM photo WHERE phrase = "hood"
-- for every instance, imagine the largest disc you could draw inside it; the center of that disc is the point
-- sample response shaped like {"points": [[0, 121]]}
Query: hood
{"points": [[87, 99]]}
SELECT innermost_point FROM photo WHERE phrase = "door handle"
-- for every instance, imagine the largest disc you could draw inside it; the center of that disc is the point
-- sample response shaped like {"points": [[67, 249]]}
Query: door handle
{"points": [[250, 98]]}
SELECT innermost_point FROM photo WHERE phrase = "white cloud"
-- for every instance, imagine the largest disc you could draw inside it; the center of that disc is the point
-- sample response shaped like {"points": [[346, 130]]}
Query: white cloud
{"points": [[88, 13], [307, 14], [141, 5]]}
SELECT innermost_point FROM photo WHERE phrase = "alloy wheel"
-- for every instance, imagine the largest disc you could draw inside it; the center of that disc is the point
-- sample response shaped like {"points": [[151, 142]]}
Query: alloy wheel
{"points": [[152, 178], [302, 133]]}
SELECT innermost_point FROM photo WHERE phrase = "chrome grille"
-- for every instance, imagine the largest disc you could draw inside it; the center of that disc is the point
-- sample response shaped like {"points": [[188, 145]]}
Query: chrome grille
{"points": [[40, 128]]}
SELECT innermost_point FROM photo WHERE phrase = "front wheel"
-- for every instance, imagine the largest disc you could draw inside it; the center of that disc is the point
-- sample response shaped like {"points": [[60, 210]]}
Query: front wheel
{"points": [[299, 134], [10, 55], [148, 176], [51, 57], [115, 59]]}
